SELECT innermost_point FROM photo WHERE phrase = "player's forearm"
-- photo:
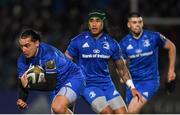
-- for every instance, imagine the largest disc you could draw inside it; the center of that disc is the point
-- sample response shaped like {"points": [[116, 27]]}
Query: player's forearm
{"points": [[172, 57], [124, 73], [123, 70], [22, 92]]}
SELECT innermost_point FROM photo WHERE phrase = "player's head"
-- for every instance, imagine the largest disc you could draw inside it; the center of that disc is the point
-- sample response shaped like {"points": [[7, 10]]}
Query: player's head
{"points": [[29, 41], [96, 21], [135, 22]]}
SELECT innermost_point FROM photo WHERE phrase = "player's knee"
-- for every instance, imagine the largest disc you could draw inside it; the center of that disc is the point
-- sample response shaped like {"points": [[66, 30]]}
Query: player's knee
{"points": [[107, 110], [59, 109]]}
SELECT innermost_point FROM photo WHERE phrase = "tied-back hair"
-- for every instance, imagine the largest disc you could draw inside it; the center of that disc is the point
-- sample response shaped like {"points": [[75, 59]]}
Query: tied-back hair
{"points": [[35, 36]]}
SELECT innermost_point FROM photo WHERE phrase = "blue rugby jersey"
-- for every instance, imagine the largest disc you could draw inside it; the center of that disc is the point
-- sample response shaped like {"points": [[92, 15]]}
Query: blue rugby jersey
{"points": [[142, 54], [64, 67], [93, 55]]}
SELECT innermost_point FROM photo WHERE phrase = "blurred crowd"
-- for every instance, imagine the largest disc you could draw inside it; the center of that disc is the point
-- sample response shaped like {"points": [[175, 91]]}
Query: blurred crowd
{"points": [[60, 20]]}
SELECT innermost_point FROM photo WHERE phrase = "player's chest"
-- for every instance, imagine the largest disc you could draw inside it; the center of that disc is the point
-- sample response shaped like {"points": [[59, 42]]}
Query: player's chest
{"points": [[95, 49], [139, 46], [37, 61]]}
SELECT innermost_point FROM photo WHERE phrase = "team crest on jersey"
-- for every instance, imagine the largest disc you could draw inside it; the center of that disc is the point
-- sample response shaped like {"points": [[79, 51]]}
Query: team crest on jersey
{"points": [[85, 45], [146, 43], [106, 45], [138, 51], [129, 47]]}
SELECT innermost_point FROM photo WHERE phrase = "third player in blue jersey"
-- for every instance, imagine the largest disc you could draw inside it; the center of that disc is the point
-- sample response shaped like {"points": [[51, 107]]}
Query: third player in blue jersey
{"points": [[140, 49]]}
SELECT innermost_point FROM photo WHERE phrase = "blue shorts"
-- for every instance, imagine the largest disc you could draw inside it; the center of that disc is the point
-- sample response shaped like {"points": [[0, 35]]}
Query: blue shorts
{"points": [[92, 92], [76, 84], [146, 88]]}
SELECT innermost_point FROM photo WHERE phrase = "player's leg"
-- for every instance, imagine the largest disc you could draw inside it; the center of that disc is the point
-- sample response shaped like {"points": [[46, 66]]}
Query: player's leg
{"points": [[67, 95], [115, 100], [118, 105], [136, 105], [147, 91], [62, 100], [95, 97]]}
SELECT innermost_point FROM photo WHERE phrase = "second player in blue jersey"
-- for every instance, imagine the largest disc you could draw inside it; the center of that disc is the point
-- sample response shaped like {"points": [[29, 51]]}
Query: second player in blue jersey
{"points": [[93, 49]]}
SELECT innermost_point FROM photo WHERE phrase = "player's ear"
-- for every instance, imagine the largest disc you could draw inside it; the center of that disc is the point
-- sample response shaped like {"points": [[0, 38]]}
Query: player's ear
{"points": [[142, 24], [128, 25], [37, 43]]}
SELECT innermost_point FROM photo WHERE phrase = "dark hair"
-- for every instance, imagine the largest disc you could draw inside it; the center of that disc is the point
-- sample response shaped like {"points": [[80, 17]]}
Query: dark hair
{"points": [[133, 14], [35, 36]]}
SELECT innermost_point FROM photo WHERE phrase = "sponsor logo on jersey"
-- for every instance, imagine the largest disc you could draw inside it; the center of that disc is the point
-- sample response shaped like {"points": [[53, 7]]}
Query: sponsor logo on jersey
{"points": [[95, 56], [141, 54], [146, 43], [129, 47], [85, 45], [138, 51], [96, 51], [92, 94]]}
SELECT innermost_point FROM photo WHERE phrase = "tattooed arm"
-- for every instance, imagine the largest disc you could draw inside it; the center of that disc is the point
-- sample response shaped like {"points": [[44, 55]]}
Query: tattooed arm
{"points": [[125, 75]]}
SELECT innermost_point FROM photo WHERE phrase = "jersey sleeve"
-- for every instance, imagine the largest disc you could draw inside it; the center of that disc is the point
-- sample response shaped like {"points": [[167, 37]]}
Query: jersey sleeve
{"points": [[73, 47], [55, 63], [116, 51], [123, 49], [161, 39]]}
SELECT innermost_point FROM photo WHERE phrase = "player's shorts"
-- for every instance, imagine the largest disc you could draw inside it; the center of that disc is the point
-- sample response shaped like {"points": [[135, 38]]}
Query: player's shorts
{"points": [[147, 88], [100, 98], [72, 88]]}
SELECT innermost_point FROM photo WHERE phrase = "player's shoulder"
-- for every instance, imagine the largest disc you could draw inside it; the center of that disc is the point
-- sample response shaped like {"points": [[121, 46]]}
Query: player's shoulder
{"points": [[109, 38], [47, 49], [21, 58], [125, 38], [150, 32], [81, 36]]}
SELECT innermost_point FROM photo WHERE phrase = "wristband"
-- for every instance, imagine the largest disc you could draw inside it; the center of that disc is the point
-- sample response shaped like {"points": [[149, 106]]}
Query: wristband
{"points": [[130, 84]]}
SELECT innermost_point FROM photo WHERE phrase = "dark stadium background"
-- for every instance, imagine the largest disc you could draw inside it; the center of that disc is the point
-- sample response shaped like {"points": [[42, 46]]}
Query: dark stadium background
{"points": [[60, 20]]}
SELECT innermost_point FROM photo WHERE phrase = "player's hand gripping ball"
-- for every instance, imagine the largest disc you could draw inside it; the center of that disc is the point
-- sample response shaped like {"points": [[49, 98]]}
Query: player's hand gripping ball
{"points": [[35, 74]]}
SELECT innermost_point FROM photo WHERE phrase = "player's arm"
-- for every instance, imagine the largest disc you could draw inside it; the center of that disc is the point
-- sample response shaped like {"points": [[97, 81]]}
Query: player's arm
{"points": [[68, 55], [124, 73], [22, 95], [46, 82], [172, 58], [48, 85]]}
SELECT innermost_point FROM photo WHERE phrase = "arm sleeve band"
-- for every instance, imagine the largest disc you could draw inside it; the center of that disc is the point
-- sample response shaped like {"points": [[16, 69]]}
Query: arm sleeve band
{"points": [[22, 92]]}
